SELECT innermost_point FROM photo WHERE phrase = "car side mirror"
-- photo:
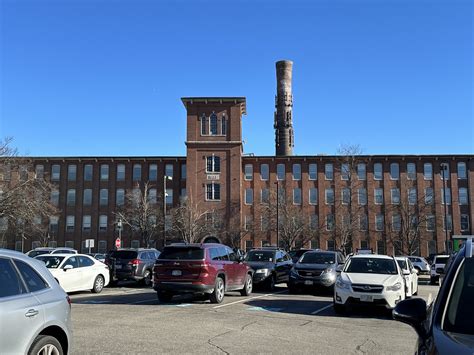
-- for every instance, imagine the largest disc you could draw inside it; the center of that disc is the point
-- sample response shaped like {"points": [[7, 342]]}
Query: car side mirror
{"points": [[68, 267], [412, 312]]}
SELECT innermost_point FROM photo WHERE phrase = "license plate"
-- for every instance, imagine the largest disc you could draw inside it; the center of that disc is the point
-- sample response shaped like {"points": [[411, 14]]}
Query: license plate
{"points": [[118, 267], [308, 282], [176, 273], [366, 298]]}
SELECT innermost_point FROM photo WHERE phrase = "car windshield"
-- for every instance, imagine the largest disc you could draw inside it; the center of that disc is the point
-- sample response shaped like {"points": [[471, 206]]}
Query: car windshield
{"points": [[371, 266], [441, 259], [123, 254], [51, 262], [318, 258], [460, 312], [180, 253], [297, 253], [38, 252], [259, 255], [402, 264]]}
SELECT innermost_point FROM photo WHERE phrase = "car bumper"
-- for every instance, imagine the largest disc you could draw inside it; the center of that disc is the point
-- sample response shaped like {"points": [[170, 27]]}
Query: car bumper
{"points": [[126, 275], [389, 299], [183, 287], [326, 281], [260, 278]]}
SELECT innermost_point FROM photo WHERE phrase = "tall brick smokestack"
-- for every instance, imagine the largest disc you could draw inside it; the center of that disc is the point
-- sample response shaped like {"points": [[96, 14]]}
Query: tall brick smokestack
{"points": [[284, 140]]}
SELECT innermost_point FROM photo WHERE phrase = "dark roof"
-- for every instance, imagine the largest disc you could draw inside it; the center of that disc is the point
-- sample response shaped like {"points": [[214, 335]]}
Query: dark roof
{"points": [[236, 100]]}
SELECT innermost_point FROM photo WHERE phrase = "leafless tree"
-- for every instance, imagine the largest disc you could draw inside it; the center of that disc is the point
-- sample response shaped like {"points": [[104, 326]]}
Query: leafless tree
{"points": [[236, 232], [141, 213], [350, 210], [25, 206], [191, 223]]}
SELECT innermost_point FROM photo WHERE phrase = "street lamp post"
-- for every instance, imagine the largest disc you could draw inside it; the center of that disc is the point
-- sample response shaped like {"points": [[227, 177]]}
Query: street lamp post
{"points": [[119, 227], [165, 178], [277, 219], [443, 168]]}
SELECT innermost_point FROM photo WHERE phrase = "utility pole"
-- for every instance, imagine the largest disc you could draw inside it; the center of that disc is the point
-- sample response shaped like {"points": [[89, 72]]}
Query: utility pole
{"points": [[277, 219], [444, 168], [165, 178]]}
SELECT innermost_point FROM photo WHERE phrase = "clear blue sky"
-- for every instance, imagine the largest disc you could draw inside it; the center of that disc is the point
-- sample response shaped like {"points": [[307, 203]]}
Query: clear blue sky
{"points": [[90, 77]]}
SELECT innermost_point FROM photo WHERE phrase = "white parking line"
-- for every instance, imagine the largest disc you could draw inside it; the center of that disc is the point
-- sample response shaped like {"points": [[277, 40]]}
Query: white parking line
{"points": [[248, 299], [321, 309]]}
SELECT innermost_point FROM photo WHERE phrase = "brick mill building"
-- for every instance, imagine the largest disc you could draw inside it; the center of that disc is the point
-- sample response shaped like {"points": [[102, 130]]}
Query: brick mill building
{"points": [[220, 178]]}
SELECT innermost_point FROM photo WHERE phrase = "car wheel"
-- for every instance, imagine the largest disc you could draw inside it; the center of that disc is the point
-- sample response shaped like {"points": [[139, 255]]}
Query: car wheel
{"points": [[271, 283], [247, 290], [217, 296], [164, 296], [46, 344], [147, 278], [98, 284], [339, 308]]}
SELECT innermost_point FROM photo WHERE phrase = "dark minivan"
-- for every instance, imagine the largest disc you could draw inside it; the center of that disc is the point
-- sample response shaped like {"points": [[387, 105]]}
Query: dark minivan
{"points": [[132, 264], [208, 268]]}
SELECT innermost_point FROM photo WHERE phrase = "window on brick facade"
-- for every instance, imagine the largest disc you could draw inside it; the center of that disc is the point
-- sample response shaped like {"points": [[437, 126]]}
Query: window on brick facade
{"points": [[137, 172], [70, 223], [55, 197], [361, 171], [152, 196], [296, 171], [204, 125], [53, 224], [313, 196], [223, 125], [345, 171], [362, 194], [213, 124], [153, 172], [381, 247], [87, 197], [464, 222], [331, 245], [378, 171], [363, 222], [329, 196], [264, 172], [169, 170], [121, 172], [71, 197], [328, 171], [395, 196], [444, 171], [330, 222], [88, 172], [248, 172], [248, 196], [430, 223], [345, 196], [379, 222], [394, 171], [463, 196], [429, 196], [411, 171], [104, 172], [396, 223], [412, 196], [281, 172], [169, 196], [213, 192], [248, 223], [264, 195], [462, 172], [183, 171], [428, 171], [120, 197], [102, 223], [449, 219], [213, 164], [448, 195], [86, 223], [313, 171], [104, 197], [55, 172], [314, 221], [378, 196], [297, 196], [39, 172], [71, 172]]}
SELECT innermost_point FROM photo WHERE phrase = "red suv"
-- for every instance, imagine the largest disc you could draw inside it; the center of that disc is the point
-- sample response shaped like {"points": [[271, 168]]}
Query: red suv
{"points": [[211, 269]]}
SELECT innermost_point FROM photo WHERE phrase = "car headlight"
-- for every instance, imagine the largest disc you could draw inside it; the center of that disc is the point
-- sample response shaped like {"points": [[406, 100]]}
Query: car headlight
{"points": [[395, 287], [265, 272], [342, 284]]}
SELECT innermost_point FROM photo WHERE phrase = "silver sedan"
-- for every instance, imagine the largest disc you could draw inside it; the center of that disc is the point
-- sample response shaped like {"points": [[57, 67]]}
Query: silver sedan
{"points": [[35, 313]]}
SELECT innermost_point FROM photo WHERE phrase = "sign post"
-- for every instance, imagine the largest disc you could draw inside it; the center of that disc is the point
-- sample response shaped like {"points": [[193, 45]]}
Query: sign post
{"points": [[117, 243]]}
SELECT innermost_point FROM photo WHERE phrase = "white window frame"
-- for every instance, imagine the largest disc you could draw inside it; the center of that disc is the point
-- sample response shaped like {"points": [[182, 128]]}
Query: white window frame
{"points": [[296, 171], [326, 196], [429, 227], [328, 170], [428, 171], [448, 196], [466, 216], [213, 192], [345, 171], [431, 200], [246, 192], [377, 195], [102, 224], [122, 200], [463, 193], [104, 172], [409, 173], [464, 176], [313, 170], [382, 222], [70, 223], [248, 172], [295, 190], [315, 200], [345, 190], [279, 178], [410, 194], [215, 162], [392, 166], [376, 166], [394, 190], [86, 223], [264, 174], [362, 168], [121, 170], [359, 191]]}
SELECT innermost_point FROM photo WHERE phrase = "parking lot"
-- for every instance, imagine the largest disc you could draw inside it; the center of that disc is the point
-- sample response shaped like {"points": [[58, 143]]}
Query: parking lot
{"points": [[130, 319]]}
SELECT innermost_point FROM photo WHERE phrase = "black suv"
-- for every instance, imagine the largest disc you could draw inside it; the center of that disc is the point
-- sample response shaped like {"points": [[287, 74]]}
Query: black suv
{"points": [[271, 266], [447, 325], [132, 264]]}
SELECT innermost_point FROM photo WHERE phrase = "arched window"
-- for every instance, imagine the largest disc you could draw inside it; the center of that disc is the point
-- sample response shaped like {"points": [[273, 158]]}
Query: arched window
{"points": [[223, 125], [204, 125], [213, 123]]}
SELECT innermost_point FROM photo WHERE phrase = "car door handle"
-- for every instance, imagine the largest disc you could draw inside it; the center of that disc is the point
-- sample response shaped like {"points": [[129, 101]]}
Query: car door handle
{"points": [[31, 313]]}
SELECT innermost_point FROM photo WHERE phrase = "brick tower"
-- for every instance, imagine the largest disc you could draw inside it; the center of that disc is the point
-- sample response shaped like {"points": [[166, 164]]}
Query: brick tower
{"points": [[283, 125]]}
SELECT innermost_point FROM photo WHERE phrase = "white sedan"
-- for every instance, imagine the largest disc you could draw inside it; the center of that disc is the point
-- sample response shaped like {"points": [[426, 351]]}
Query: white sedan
{"points": [[77, 272], [410, 275]]}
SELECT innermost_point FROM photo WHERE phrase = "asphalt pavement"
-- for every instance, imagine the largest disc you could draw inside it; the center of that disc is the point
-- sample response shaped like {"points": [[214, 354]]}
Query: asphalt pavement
{"points": [[130, 320]]}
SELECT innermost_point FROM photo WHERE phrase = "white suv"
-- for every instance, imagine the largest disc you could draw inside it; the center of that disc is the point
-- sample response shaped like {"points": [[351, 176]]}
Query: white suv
{"points": [[439, 262], [369, 279]]}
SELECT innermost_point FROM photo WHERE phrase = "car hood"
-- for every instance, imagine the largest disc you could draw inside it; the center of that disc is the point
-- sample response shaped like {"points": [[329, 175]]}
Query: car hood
{"points": [[371, 279], [302, 266], [260, 264]]}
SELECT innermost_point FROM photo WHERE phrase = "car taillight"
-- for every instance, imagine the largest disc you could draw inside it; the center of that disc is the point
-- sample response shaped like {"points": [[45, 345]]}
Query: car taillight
{"points": [[68, 301], [134, 262]]}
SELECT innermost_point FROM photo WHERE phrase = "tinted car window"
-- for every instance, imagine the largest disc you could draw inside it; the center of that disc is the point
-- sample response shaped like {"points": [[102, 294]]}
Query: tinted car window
{"points": [[232, 254], [123, 254], [259, 255], [84, 261], [372, 266], [318, 258], [402, 264], [51, 262], [33, 281], [38, 252], [441, 259], [460, 313], [279, 257], [177, 253], [11, 283], [223, 253], [72, 261]]}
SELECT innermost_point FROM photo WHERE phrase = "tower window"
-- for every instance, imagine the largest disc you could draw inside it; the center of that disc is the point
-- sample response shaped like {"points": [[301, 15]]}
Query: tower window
{"points": [[213, 124], [223, 125], [204, 125], [213, 192], [213, 164]]}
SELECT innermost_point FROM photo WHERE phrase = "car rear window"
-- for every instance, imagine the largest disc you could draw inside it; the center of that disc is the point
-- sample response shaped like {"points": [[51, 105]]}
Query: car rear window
{"points": [[123, 254], [34, 253], [441, 259], [258, 255], [51, 262], [460, 312], [318, 258], [180, 253]]}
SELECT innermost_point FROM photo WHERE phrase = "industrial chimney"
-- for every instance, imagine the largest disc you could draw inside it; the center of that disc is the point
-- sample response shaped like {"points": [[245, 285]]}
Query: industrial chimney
{"points": [[283, 125]]}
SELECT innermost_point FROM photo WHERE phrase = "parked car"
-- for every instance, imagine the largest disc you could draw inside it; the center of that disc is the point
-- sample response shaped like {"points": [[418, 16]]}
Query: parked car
{"points": [[99, 256], [296, 254], [315, 268], [447, 325], [437, 267], [410, 274], [374, 280], [132, 264], [77, 272], [46, 250], [210, 269], [271, 266], [35, 311], [421, 264]]}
